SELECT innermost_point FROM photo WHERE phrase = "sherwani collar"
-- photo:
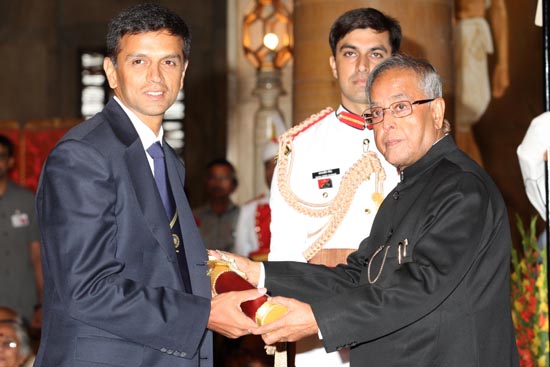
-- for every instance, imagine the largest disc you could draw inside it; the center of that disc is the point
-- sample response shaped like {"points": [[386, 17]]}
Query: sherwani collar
{"points": [[434, 155]]}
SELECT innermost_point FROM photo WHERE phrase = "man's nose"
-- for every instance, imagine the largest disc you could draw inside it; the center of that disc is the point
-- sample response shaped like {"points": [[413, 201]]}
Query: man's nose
{"points": [[155, 73], [363, 64], [389, 120]]}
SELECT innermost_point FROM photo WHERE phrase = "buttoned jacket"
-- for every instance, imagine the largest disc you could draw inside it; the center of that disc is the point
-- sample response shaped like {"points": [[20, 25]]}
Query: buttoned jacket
{"points": [[430, 286], [113, 293]]}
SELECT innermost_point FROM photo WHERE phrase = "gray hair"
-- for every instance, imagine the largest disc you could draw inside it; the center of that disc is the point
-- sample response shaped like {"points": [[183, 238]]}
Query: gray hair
{"points": [[22, 337], [428, 78]]}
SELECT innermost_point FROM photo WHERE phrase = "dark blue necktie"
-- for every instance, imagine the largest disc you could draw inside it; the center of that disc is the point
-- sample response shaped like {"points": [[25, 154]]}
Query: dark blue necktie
{"points": [[163, 185], [161, 179]]}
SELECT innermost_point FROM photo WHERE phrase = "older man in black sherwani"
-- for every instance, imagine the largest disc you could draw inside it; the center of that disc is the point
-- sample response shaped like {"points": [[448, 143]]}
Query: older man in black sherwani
{"points": [[430, 286]]}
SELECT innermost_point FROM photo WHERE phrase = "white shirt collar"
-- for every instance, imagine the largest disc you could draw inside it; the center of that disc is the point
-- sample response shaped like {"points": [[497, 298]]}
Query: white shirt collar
{"points": [[146, 135]]}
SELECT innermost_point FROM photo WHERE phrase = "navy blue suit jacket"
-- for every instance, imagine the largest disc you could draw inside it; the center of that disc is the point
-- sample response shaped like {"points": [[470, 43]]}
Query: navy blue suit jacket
{"points": [[113, 293]]}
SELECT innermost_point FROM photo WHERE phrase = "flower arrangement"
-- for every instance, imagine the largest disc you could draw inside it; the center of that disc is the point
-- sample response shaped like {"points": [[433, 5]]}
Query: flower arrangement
{"points": [[529, 294]]}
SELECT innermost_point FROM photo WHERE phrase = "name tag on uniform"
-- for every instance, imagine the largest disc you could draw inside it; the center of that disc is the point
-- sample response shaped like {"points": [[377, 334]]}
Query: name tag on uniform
{"points": [[19, 220], [326, 173]]}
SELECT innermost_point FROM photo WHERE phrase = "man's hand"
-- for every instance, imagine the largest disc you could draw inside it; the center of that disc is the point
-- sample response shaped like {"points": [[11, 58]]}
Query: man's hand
{"points": [[247, 266], [226, 316], [296, 324]]}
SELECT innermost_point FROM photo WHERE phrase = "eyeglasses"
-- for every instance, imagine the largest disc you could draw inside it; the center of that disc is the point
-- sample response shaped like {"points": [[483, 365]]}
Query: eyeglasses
{"points": [[8, 344], [398, 109]]}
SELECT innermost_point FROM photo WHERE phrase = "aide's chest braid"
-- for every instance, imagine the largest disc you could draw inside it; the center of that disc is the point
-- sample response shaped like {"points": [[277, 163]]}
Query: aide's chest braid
{"points": [[336, 208]]}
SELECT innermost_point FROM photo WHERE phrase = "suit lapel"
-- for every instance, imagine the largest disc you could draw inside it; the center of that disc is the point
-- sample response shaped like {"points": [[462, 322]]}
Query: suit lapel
{"points": [[151, 204], [148, 196], [140, 175], [192, 244]]}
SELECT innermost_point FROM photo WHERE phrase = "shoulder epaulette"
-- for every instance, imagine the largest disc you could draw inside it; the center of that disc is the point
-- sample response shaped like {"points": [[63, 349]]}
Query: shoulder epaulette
{"points": [[307, 123]]}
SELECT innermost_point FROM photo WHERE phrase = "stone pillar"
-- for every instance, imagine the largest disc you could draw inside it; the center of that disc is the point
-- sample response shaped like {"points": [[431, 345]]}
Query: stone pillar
{"points": [[243, 104], [427, 31]]}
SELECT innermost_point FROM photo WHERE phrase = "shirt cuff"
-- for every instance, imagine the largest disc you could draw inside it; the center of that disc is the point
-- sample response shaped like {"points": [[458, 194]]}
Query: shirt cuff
{"points": [[261, 278], [261, 284]]}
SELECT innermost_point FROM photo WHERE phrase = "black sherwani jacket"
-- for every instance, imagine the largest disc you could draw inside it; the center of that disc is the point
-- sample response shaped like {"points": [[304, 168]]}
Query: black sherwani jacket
{"points": [[113, 294], [430, 285]]}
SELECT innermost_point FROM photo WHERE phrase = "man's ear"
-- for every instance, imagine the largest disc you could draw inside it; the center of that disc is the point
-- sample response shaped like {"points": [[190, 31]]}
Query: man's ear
{"points": [[110, 71], [332, 63], [185, 65], [438, 112]]}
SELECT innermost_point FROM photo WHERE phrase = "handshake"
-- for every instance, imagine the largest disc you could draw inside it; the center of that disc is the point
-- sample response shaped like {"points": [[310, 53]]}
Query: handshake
{"points": [[238, 308]]}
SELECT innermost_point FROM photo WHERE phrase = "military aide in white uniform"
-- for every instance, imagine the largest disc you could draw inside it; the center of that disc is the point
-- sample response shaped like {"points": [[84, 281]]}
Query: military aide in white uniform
{"points": [[330, 178], [322, 154]]}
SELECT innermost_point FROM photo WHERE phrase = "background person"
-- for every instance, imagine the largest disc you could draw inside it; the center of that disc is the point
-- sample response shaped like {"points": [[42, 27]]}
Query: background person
{"points": [[474, 85], [217, 218], [15, 349], [533, 156], [253, 236], [20, 266]]}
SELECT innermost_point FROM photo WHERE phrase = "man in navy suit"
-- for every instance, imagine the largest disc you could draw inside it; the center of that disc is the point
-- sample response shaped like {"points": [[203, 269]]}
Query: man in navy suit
{"points": [[124, 267]]}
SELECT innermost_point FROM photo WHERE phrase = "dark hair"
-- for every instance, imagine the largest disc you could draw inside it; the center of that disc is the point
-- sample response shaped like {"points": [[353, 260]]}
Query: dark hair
{"points": [[226, 163], [8, 144], [429, 80], [143, 18], [365, 18]]}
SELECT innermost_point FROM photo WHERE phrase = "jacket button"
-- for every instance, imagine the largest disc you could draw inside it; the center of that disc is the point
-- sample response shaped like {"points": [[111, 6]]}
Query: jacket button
{"points": [[395, 195]]}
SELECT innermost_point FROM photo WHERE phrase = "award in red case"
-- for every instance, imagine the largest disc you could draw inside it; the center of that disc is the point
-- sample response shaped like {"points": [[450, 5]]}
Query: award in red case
{"points": [[225, 277]]}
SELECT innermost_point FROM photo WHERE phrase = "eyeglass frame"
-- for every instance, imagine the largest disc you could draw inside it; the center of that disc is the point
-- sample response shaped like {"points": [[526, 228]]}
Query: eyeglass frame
{"points": [[368, 116], [9, 344]]}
